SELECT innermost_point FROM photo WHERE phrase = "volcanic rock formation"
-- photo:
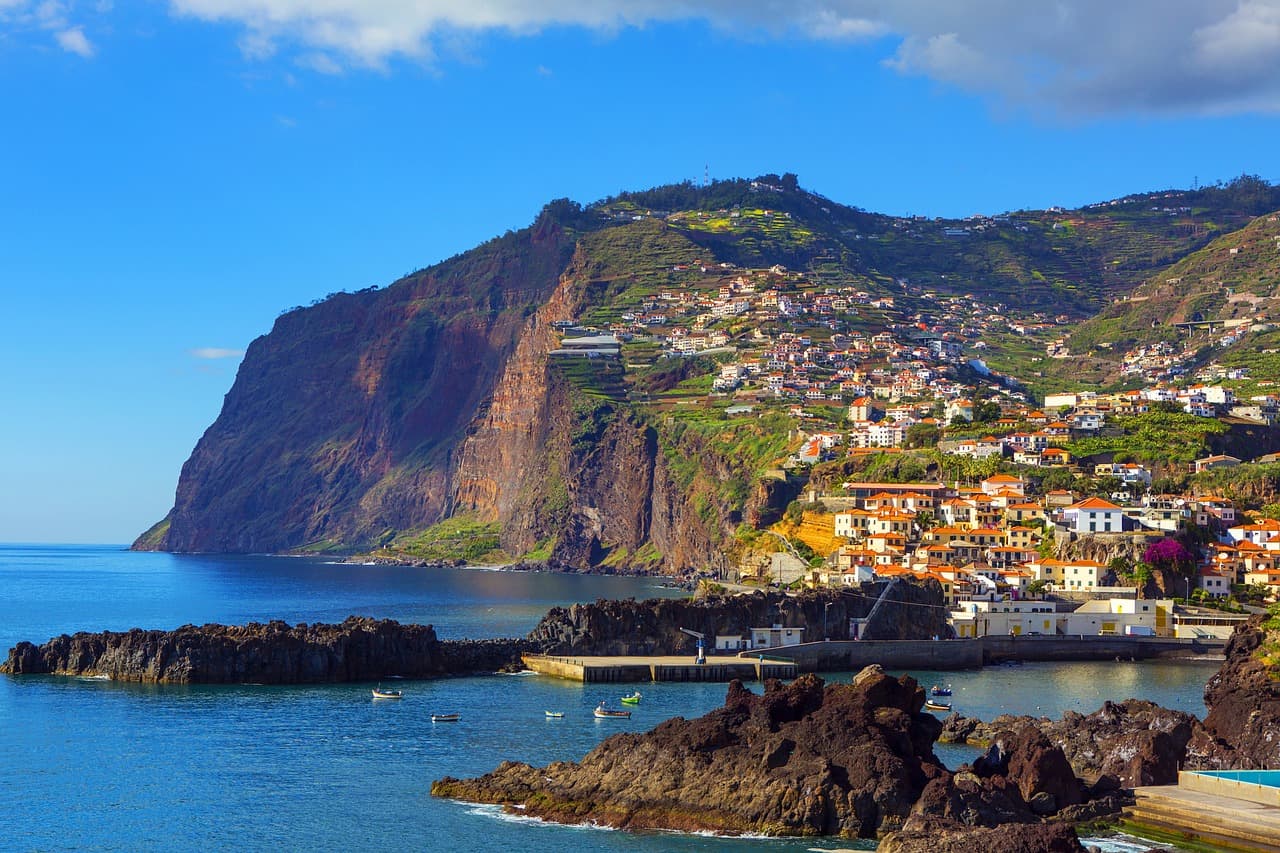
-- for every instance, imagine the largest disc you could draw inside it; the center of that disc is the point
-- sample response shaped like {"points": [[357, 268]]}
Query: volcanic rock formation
{"points": [[359, 649]]}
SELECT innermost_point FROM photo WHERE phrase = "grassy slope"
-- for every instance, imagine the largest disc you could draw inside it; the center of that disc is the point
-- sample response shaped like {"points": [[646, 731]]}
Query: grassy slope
{"points": [[1206, 285]]}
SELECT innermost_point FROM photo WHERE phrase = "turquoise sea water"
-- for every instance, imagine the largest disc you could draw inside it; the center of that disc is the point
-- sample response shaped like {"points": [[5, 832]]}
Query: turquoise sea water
{"points": [[95, 765]]}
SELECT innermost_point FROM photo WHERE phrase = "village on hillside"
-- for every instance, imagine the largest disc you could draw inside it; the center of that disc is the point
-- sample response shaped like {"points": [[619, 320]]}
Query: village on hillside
{"points": [[862, 373]]}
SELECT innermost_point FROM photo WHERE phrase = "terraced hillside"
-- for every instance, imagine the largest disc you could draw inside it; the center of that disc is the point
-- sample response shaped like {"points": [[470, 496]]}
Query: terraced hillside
{"points": [[1215, 302]]}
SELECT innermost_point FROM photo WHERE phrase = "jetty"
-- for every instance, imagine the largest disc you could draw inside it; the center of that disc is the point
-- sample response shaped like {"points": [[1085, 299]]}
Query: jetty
{"points": [[1226, 809], [606, 669]]}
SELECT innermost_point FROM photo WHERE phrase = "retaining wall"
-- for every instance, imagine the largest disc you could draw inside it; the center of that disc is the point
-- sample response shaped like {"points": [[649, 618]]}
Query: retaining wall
{"points": [[852, 655]]}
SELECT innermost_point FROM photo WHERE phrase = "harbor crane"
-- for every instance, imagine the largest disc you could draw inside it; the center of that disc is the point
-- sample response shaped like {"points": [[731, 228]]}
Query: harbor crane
{"points": [[702, 645]]}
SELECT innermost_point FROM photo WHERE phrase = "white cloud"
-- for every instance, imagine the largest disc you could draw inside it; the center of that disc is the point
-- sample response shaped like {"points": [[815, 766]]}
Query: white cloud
{"points": [[1065, 57], [216, 352], [73, 40], [1074, 56]]}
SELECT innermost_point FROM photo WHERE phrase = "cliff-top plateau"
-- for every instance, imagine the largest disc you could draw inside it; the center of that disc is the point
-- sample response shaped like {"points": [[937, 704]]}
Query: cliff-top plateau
{"points": [[444, 416]]}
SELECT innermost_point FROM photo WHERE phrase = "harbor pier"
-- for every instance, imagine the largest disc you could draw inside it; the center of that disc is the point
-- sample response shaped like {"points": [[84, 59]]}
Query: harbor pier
{"points": [[629, 668]]}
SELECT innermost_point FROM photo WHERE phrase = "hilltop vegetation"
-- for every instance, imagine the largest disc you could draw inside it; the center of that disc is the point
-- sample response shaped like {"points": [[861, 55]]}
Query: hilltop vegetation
{"points": [[428, 419]]}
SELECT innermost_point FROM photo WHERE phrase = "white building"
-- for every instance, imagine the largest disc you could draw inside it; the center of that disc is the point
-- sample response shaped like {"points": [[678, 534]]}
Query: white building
{"points": [[1094, 515]]}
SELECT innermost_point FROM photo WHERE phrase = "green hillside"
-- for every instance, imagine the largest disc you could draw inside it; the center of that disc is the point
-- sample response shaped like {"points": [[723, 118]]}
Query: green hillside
{"points": [[1229, 288]]}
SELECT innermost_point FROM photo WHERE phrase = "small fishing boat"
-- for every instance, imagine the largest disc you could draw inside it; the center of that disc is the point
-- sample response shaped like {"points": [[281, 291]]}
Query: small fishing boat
{"points": [[379, 693], [554, 715], [633, 699], [604, 713], [937, 690], [931, 705], [445, 718]]}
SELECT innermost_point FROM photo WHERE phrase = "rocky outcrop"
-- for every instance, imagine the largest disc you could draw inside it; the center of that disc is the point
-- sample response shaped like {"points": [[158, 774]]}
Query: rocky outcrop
{"points": [[652, 627], [801, 759], [853, 760], [1242, 728], [1122, 745], [359, 649], [1137, 743]]}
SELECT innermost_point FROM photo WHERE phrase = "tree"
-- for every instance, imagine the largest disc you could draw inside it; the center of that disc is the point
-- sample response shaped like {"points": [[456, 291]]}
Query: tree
{"points": [[987, 412], [1036, 588], [1171, 555], [922, 435]]}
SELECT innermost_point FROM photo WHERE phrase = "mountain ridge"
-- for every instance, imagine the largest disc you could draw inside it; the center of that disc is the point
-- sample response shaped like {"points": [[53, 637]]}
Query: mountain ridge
{"points": [[375, 414]]}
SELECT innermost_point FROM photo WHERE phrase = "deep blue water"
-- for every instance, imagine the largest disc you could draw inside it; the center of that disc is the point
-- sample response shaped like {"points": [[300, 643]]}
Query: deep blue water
{"points": [[94, 765]]}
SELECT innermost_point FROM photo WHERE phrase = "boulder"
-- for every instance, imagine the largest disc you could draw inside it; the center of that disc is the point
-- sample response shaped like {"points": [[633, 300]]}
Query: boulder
{"points": [[945, 837]]}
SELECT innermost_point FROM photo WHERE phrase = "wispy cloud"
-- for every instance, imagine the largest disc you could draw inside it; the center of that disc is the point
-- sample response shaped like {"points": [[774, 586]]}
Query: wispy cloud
{"points": [[216, 352], [1087, 57], [1069, 57], [73, 40]]}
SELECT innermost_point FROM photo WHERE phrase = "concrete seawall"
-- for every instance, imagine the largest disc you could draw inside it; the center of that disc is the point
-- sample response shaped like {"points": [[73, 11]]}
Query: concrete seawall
{"points": [[852, 655]]}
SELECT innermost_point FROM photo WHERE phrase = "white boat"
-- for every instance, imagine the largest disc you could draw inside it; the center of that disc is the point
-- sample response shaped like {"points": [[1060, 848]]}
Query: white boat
{"points": [[554, 715], [379, 693], [934, 705], [604, 713], [445, 718]]}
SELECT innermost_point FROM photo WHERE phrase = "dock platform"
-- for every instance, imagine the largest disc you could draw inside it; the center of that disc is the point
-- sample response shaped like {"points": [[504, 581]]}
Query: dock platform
{"points": [[1226, 823], [594, 670]]}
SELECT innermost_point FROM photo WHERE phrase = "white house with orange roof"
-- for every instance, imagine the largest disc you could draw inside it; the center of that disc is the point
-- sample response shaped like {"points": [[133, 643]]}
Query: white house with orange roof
{"points": [[1068, 575], [851, 524], [999, 482], [1258, 533], [1094, 515]]}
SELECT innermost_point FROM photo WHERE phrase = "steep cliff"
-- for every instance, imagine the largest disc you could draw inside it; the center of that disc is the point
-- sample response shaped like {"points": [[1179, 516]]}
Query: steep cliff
{"points": [[342, 423]]}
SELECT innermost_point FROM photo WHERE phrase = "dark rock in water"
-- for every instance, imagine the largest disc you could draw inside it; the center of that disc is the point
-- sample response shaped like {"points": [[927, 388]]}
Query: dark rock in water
{"points": [[802, 759], [1123, 744], [359, 649], [944, 837]]}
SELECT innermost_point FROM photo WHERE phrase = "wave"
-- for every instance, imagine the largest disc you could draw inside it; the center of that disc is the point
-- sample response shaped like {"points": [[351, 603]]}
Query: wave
{"points": [[500, 813]]}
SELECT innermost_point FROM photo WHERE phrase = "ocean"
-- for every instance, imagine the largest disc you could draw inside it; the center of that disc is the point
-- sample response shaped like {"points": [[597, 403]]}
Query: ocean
{"points": [[96, 765]]}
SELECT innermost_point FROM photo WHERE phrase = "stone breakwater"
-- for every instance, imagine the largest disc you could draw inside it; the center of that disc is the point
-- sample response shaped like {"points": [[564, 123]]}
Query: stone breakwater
{"points": [[358, 649]]}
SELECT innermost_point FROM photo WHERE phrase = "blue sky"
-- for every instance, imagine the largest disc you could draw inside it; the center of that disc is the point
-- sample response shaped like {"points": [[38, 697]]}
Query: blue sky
{"points": [[176, 174]]}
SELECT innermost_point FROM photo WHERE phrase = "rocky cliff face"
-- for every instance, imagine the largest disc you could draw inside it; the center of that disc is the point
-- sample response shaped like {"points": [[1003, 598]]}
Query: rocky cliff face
{"points": [[343, 421], [359, 649], [1242, 728], [385, 411]]}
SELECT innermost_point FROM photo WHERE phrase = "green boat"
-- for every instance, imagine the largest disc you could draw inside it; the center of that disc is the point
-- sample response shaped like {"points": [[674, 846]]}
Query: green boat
{"points": [[633, 699]]}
